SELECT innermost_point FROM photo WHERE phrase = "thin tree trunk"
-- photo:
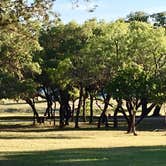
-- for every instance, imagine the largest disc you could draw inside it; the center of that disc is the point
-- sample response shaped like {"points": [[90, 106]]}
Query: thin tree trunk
{"points": [[91, 109], [132, 110], [132, 126], [49, 109], [125, 115], [61, 116], [72, 112], [119, 106], [32, 105], [79, 107], [84, 108], [115, 118], [157, 110], [103, 117], [133, 123], [145, 113]]}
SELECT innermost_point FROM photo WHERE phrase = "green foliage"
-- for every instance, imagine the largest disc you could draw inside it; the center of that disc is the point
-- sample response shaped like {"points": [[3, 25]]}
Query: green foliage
{"points": [[138, 16], [19, 27], [127, 59], [20, 22], [130, 82], [160, 18]]}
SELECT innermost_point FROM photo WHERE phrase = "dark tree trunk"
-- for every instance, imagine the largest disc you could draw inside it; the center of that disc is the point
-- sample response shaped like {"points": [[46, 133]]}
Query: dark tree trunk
{"points": [[103, 117], [49, 110], [144, 106], [118, 109], [79, 107], [72, 111], [32, 105], [91, 109], [131, 127], [68, 114], [115, 125], [148, 110], [131, 106], [84, 108], [54, 114], [156, 112], [125, 115], [61, 116], [65, 110]]}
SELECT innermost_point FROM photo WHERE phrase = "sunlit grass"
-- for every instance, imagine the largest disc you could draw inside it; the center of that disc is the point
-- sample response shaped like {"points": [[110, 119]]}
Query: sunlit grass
{"points": [[22, 144]]}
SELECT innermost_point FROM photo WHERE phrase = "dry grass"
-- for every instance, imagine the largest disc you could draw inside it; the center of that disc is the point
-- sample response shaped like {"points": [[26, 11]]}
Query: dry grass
{"points": [[41, 140]]}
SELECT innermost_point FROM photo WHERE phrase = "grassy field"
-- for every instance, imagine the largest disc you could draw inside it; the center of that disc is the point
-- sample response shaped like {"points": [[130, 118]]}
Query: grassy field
{"points": [[41, 146], [22, 144]]}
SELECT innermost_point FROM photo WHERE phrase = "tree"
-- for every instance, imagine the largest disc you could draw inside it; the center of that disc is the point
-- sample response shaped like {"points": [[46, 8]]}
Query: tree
{"points": [[159, 19], [19, 26], [113, 50], [64, 42], [138, 16], [20, 22], [137, 78]]}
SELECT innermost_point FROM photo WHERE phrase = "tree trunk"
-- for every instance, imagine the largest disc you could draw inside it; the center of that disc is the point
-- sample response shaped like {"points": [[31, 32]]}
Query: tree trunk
{"points": [[72, 111], [79, 107], [144, 106], [119, 106], [61, 116], [145, 113], [132, 110], [49, 109], [129, 108], [157, 110], [91, 109], [125, 115], [32, 105], [131, 126], [65, 110], [84, 109], [115, 118], [103, 117]]}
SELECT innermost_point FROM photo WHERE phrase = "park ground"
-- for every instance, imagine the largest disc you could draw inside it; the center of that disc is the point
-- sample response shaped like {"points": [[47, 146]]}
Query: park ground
{"points": [[22, 144]]}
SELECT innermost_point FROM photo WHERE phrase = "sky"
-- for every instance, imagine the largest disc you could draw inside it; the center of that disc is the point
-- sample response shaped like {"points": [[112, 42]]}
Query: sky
{"points": [[108, 10]]}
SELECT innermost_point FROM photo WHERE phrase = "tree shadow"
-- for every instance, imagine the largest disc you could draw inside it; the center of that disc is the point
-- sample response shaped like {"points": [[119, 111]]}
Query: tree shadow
{"points": [[148, 124], [134, 156]]}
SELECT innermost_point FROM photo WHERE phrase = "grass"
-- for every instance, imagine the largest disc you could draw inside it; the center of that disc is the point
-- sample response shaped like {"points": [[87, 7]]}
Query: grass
{"points": [[43, 146], [22, 144], [131, 156]]}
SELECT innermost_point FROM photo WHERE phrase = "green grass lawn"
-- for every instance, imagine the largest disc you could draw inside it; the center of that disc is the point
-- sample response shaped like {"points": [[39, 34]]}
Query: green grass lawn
{"points": [[35, 146], [128, 156], [22, 144]]}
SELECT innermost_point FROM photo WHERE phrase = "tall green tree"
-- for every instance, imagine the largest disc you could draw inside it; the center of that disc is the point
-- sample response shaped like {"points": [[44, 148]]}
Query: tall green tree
{"points": [[139, 76], [20, 22]]}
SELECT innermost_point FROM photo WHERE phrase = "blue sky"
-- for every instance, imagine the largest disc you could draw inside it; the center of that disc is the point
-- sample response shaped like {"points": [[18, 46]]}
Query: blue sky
{"points": [[107, 9]]}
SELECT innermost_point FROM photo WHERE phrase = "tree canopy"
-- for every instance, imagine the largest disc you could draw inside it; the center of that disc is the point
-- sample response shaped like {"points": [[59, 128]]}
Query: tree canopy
{"points": [[124, 60]]}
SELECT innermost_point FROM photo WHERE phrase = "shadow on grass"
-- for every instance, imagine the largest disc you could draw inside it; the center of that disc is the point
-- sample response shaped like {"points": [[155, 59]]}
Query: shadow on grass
{"points": [[31, 128], [149, 124], [134, 156]]}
